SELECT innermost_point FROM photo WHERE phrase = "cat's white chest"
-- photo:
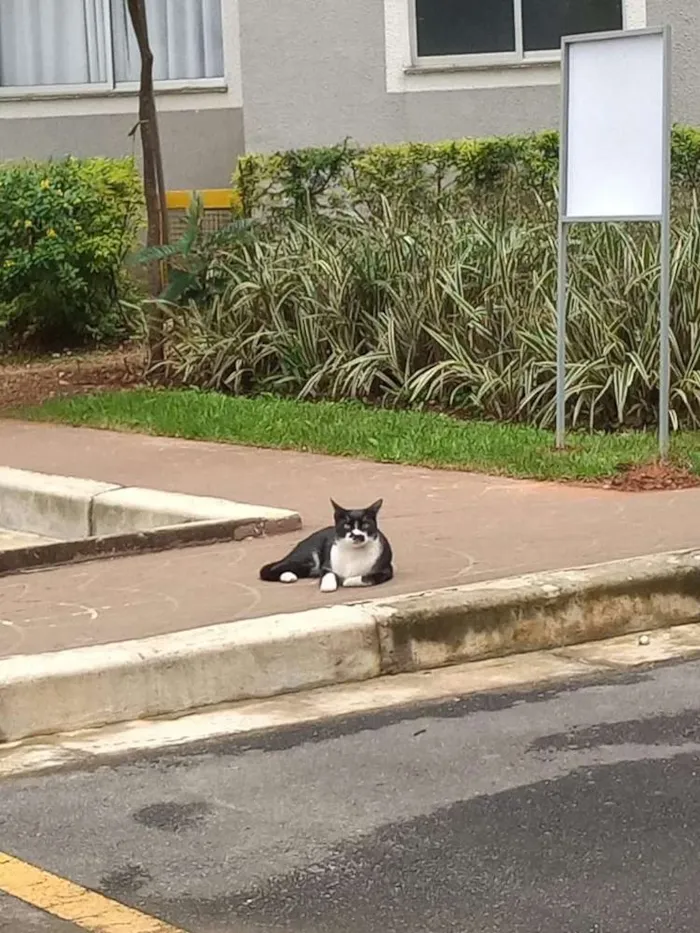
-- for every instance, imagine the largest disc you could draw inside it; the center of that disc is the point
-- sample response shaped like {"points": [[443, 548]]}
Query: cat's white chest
{"points": [[349, 562]]}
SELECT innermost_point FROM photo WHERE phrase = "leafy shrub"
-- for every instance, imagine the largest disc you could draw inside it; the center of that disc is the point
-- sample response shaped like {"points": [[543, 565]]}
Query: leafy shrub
{"points": [[425, 274], [455, 177], [65, 230], [193, 272], [418, 309]]}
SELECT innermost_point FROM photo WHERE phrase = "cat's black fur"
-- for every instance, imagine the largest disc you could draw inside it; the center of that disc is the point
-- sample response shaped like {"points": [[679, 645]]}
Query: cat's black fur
{"points": [[351, 552]]}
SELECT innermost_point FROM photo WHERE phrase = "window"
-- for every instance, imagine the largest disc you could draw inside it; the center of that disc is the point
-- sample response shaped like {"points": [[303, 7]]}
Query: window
{"points": [[506, 30], [69, 43]]}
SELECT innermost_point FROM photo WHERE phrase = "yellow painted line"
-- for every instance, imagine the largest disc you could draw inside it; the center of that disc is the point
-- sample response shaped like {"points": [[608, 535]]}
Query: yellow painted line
{"points": [[67, 901], [212, 198]]}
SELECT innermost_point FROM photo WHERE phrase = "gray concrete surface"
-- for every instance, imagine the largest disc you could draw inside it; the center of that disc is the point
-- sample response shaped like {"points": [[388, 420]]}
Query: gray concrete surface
{"points": [[11, 540], [70, 519], [44, 504], [17, 917], [69, 507], [568, 809]]}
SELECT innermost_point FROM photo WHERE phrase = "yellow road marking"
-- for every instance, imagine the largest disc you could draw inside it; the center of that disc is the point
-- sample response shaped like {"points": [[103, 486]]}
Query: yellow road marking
{"points": [[67, 901]]}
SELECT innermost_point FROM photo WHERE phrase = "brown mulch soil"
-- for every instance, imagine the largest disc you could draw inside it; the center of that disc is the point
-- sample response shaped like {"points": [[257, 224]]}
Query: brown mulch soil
{"points": [[647, 477], [67, 374]]}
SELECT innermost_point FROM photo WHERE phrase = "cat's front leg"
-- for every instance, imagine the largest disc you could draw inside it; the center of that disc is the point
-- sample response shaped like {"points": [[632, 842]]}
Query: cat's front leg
{"points": [[356, 581], [371, 579], [329, 582]]}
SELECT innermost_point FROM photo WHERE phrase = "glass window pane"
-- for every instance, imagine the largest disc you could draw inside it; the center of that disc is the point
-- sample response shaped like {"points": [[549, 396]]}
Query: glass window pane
{"points": [[186, 37], [546, 21], [464, 27], [52, 43]]}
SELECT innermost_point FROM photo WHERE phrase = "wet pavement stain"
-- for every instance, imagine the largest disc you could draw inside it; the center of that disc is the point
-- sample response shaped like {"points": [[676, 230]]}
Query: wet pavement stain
{"points": [[127, 879], [173, 817], [679, 729]]}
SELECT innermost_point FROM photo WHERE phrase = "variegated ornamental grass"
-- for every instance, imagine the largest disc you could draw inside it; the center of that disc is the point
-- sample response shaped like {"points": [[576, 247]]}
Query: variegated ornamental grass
{"points": [[411, 309]]}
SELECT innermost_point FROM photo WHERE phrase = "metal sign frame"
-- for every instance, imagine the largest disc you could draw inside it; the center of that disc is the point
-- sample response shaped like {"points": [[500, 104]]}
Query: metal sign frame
{"points": [[663, 219]]}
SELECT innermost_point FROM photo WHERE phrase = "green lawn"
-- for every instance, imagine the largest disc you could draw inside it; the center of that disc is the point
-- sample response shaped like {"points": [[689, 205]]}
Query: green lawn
{"points": [[349, 429]]}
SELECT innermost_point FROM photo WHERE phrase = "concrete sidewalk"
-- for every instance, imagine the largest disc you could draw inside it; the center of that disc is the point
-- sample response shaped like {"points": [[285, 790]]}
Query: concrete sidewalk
{"points": [[447, 529]]}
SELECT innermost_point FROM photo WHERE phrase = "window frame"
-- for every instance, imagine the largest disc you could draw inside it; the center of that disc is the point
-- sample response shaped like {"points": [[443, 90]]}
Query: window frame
{"points": [[112, 87], [516, 58]]}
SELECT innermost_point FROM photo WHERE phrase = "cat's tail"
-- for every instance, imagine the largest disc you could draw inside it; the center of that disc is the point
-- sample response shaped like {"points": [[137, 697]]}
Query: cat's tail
{"points": [[271, 573]]}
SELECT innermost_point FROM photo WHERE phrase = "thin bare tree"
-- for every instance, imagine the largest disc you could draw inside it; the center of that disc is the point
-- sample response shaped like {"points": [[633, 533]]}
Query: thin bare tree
{"points": [[153, 179]]}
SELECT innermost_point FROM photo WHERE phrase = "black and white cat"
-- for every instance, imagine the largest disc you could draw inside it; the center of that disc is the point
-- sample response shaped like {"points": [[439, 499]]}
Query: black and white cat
{"points": [[353, 552]]}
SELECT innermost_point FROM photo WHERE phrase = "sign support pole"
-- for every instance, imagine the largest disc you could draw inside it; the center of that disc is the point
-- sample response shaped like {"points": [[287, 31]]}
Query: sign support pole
{"points": [[562, 295], [563, 260], [665, 249], [663, 218]]}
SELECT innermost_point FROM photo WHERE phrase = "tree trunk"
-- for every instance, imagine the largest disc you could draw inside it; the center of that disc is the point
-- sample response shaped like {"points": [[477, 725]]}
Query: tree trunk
{"points": [[153, 179]]}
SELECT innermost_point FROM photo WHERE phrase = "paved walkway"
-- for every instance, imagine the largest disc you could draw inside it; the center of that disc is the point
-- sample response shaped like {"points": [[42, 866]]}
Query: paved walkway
{"points": [[447, 528]]}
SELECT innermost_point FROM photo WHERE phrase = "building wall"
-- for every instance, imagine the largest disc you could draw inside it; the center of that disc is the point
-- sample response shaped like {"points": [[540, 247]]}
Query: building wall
{"points": [[684, 18], [342, 69], [313, 72], [201, 127], [331, 81], [200, 147]]}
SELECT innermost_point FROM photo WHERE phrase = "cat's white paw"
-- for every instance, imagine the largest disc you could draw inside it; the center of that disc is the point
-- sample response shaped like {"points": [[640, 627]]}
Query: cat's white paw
{"points": [[353, 581], [329, 583], [288, 577]]}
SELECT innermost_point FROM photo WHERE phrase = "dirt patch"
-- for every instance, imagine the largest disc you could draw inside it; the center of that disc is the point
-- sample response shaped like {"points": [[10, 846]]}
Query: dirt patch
{"points": [[647, 477], [68, 374]]}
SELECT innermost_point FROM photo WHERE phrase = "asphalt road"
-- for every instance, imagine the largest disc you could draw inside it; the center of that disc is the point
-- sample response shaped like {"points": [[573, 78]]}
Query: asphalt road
{"points": [[570, 810], [16, 917]]}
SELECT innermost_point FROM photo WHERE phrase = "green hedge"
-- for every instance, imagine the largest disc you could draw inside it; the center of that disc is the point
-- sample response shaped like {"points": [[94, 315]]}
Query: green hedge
{"points": [[413, 309], [66, 228], [448, 176]]}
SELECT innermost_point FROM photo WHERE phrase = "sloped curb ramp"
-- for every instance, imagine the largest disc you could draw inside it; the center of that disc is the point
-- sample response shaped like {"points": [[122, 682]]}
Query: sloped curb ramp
{"points": [[60, 519]]}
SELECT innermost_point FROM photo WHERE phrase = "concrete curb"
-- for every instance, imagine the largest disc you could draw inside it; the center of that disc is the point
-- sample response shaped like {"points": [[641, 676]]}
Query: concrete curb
{"points": [[178, 673], [188, 534], [96, 520]]}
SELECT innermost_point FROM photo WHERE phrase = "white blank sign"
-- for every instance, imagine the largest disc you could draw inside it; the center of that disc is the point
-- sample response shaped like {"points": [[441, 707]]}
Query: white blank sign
{"points": [[615, 127]]}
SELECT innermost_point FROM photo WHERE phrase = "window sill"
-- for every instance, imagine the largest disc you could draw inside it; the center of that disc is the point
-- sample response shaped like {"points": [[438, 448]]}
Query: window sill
{"points": [[467, 68], [472, 76], [127, 90]]}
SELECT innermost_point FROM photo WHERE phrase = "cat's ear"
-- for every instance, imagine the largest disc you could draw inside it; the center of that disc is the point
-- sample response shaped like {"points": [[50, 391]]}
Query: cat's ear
{"points": [[338, 510], [375, 507]]}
